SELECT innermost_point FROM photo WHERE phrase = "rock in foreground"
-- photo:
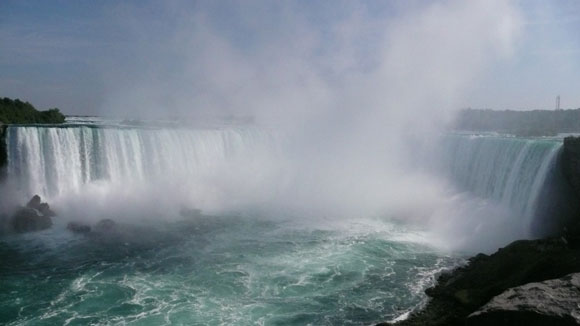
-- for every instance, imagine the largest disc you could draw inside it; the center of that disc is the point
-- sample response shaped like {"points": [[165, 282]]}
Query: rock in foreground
{"points": [[465, 290], [552, 302]]}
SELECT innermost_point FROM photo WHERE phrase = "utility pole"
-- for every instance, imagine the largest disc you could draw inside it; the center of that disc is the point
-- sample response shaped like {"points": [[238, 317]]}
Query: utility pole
{"points": [[557, 102]]}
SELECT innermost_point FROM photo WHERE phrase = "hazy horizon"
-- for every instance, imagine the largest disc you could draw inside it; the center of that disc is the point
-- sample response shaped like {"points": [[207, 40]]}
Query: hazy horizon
{"points": [[221, 58]]}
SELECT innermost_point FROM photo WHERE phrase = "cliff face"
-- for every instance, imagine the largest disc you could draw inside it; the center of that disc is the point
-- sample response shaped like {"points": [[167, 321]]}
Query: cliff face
{"points": [[3, 149], [571, 162], [571, 169]]}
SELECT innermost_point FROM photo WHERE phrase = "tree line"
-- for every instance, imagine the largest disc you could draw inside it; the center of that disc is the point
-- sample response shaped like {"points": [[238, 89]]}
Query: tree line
{"points": [[521, 123], [16, 111]]}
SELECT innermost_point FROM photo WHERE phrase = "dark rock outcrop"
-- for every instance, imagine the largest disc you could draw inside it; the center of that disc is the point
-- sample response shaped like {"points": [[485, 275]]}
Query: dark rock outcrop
{"points": [[552, 302], [37, 204], [466, 289], [36, 216], [570, 166], [105, 227], [29, 219], [571, 162], [77, 227]]}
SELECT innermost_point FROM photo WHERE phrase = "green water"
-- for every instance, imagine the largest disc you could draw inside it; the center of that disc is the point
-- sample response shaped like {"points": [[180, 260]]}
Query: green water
{"points": [[217, 271]]}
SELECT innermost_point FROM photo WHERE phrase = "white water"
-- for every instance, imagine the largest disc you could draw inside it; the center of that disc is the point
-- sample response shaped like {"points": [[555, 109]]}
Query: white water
{"points": [[211, 168], [55, 162], [507, 170], [250, 271]]}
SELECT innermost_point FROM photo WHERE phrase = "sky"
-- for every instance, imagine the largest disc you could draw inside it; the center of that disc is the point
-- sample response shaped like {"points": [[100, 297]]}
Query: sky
{"points": [[265, 58]]}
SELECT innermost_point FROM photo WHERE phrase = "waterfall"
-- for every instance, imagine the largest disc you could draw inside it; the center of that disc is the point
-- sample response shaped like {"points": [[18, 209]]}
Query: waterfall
{"points": [[507, 170], [53, 161]]}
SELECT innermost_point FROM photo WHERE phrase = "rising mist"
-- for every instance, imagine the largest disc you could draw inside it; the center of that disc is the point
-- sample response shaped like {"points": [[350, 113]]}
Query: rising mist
{"points": [[357, 101]]}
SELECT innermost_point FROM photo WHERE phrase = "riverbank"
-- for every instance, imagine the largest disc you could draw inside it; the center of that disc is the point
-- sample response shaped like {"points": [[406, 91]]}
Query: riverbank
{"points": [[465, 290]]}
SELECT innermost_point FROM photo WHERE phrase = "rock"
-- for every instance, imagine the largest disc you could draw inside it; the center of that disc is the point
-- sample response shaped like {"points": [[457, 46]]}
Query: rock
{"points": [[77, 227], [35, 216], [552, 302], [466, 289], [45, 210], [105, 225], [29, 219], [571, 162], [34, 202]]}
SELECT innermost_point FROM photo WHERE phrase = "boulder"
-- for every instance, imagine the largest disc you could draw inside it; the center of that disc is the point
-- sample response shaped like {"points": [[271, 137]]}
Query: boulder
{"points": [[105, 225], [45, 210], [77, 227], [552, 302], [35, 216], [28, 219], [466, 289], [34, 202]]}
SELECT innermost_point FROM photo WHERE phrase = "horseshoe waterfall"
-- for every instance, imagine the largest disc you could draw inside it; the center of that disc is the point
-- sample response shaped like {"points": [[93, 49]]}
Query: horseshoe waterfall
{"points": [[212, 240]]}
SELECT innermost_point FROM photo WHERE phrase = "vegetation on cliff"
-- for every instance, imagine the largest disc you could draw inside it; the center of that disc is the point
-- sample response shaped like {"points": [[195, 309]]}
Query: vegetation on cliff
{"points": [[16, 111], [521, 123]]}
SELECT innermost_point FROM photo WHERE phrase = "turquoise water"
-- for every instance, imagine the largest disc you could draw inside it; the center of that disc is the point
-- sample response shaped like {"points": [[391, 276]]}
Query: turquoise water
{"points": [[217, 271], [236, 270]]}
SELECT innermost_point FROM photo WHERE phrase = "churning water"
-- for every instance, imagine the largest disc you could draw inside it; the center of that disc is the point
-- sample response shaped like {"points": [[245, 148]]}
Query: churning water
{"points": [[239, 268]]}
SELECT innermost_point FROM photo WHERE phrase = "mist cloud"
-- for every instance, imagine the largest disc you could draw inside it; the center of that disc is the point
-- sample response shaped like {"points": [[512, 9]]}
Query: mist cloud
{"points": [[355, 97]]}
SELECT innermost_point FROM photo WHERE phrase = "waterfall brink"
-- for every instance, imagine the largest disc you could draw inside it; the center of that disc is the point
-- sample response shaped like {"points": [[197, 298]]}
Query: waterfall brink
{"points": [[521, 174], [56, 161]]}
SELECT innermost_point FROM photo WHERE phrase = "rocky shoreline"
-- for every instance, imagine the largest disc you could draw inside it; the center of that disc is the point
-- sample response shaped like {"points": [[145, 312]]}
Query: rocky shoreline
{"points": [[459, 296], [528, 282]]}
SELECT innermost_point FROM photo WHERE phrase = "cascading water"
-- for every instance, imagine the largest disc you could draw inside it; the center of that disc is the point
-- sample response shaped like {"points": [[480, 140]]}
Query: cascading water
{"points": [[216, 268], [509, 171], [53, 161], [223, 269]]}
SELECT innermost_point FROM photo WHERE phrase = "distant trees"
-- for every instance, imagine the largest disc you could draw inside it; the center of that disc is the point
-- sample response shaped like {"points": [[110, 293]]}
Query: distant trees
{"points": [[16, 111], [521, 123]]}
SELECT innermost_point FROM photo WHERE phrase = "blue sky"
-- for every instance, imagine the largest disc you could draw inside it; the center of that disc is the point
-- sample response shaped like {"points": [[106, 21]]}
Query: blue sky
{"points": [[115, 58]]}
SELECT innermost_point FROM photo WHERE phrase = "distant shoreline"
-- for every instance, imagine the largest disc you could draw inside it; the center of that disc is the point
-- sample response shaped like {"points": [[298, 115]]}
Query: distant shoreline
{"points": [[520, 123]]}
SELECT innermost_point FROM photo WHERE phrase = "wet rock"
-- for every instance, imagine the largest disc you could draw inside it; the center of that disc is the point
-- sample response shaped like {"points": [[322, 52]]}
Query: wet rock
{"points": [[28, 219], [552, 302], [44, 209], [463, 291], [34, 202], [105, 225], [77, 227], [35, 216], [571, 162]]}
